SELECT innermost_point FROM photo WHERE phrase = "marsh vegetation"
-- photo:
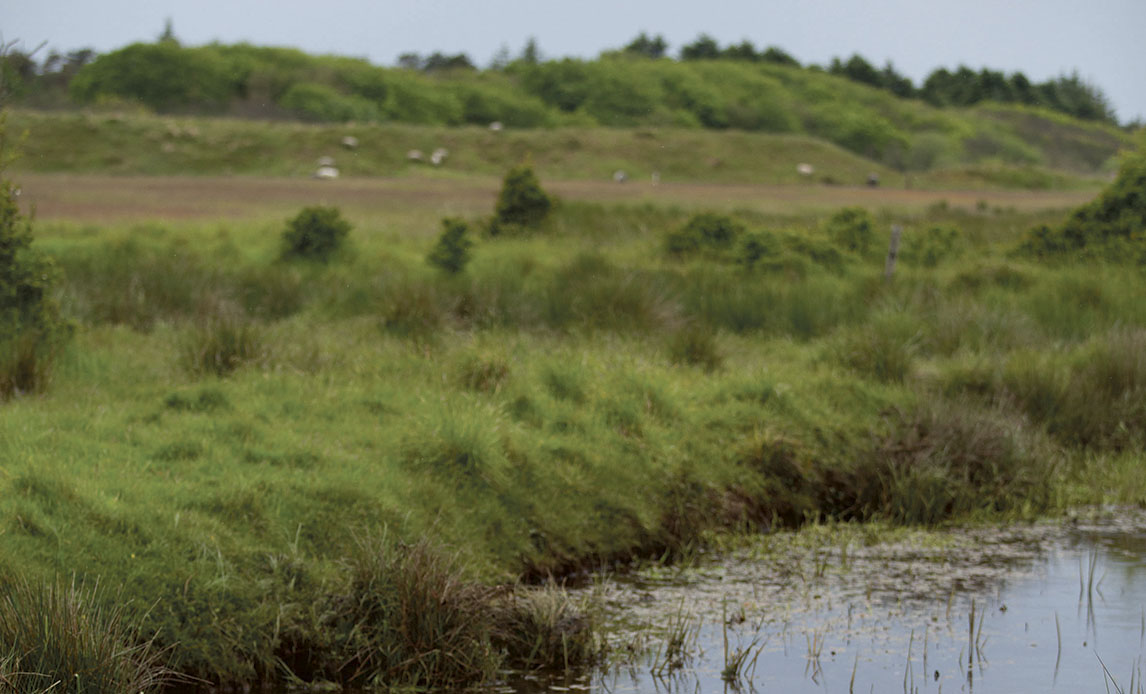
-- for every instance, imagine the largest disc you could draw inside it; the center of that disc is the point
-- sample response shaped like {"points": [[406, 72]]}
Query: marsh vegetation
{"points": [[303, 453]]}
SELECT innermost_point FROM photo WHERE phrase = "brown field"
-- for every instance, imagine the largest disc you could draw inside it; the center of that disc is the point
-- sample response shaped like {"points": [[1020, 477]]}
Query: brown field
{"points": [[99, 199]]}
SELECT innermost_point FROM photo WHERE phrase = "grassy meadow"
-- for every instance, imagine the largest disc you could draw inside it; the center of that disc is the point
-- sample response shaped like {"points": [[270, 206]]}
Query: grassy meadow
{"points": [[264, 460]]}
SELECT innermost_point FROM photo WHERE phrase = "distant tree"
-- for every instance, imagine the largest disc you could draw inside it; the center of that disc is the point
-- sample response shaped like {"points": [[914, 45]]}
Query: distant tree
{"points": [[500, 59], [703, 48], [896, 83], [17, 70], [168, 35], [742, 51], [1076, 97], [531, 54], [772, 54], [451, 253], [857, 69], [1021, 89], [994, 86], [521, 204], [410, 61], [655, 47], [440, 61]]}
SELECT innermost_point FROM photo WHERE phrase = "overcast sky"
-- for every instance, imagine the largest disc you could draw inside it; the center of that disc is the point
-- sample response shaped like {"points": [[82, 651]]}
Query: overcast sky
{"points": [[1101, 39]]}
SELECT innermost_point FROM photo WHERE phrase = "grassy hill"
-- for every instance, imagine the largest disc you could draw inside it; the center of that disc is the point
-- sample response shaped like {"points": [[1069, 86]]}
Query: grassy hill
{"points": [[142, 143], [685, 119]]}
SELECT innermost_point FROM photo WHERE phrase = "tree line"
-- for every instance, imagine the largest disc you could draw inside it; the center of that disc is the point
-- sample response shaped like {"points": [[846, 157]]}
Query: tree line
{"points": [[167, 76]]}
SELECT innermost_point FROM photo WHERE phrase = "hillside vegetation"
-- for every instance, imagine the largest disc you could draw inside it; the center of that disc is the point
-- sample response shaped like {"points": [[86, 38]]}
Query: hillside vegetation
{"points": [[617, 90]]}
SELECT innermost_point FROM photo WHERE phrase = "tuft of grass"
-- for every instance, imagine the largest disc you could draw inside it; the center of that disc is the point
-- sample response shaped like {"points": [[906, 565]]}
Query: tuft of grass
{"points": [[545, 628], [884, 347], [950, 458], [65, 638], [409, 619], [26, 361], [694, 345], [224, 339]]}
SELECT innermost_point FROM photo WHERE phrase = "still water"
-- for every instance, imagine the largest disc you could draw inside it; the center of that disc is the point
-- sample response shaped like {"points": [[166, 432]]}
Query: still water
{"points": [[1054, 607]]}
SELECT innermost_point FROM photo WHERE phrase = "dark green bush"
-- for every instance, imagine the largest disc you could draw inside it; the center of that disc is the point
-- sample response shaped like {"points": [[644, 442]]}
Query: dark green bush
{"points": [[452, 251], [32, 331], [707, 231], [852, 229], [522, 204], [316, 233], [760, 249]]}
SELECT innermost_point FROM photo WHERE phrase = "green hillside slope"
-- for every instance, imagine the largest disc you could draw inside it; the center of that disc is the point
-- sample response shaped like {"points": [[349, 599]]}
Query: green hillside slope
{"points": [[617, 90]]}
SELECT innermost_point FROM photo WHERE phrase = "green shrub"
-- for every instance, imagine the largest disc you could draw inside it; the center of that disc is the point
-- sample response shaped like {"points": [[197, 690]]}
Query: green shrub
{"points": [[852, 229], [32, 331], [162, 76], [319, 102], [452, 251], [1111, 227], [316, 233], [63, 638], [521, 204], [762, 248], [931, 247], [707, 231]]}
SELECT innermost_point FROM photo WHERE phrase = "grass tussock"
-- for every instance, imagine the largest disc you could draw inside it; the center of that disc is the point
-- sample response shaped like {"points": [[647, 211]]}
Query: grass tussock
{"points": [[948, 459], [409, 618], [26, 362], [223, 339], [545, 628], [66, 638]]}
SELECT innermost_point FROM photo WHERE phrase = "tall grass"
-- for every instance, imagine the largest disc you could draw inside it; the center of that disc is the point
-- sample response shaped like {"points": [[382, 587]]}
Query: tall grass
{"points": [[408, 618], [66, 638], [951, 458]]}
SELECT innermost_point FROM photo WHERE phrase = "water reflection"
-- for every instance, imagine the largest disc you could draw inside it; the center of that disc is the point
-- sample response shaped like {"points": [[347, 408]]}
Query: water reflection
{"points": [[1038, 608]]}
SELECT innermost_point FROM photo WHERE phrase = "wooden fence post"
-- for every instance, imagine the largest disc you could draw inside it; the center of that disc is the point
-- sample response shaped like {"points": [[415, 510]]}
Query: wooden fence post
{"points": [[892, 252]]}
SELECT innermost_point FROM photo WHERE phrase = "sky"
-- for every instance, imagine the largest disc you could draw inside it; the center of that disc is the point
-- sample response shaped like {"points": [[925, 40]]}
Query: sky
{"points": [[1100, 39]]}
